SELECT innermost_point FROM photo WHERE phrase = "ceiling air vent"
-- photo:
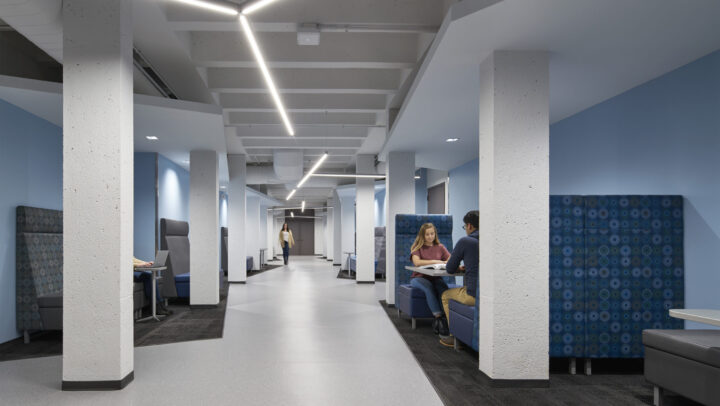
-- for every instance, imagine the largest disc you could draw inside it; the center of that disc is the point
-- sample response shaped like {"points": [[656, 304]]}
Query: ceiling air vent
{"points": [[153, 77]]}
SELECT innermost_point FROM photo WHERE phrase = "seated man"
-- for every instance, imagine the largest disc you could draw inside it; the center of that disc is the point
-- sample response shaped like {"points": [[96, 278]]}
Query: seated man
{"points": [[467, 250], [146, 278]]}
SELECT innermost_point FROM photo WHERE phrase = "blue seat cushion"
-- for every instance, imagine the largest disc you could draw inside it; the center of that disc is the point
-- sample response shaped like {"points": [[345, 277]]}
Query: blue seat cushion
{"points": [[183, 278], [467, 311], [408, 290]]}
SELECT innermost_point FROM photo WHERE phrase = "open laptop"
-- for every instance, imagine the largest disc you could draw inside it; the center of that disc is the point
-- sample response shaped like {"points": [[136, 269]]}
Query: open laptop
{"points": [[160, 259]]}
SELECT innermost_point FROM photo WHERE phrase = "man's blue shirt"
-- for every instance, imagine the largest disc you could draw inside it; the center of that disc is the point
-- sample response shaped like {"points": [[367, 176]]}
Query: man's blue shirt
{"points": [[467, 250]]}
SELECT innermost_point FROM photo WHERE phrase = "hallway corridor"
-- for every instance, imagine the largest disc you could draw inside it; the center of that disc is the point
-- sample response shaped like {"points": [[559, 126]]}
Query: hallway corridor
{"points": [[295, 335]]}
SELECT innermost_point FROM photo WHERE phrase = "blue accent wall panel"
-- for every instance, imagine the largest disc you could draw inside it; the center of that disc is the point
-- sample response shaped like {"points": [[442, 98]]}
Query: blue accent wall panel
{"points": [[30, 175], [421, 192], [463, 194], [144, 204], [173, 191], [380, 208], [659, 138]]}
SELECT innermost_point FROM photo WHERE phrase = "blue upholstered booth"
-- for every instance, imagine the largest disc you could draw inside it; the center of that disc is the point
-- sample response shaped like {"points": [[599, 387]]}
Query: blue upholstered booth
{"points": [[616, 267], [409, 300]]}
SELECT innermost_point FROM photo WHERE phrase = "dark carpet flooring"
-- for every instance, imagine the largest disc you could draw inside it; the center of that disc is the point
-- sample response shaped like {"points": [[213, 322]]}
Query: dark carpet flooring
{"points": [[185, 324], [456, 378], [345, 275], [264, 269]]}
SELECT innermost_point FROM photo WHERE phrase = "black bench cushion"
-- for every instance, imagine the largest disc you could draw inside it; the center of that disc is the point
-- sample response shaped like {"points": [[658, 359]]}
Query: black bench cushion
{"points": [[698, 345], [51, 300]]}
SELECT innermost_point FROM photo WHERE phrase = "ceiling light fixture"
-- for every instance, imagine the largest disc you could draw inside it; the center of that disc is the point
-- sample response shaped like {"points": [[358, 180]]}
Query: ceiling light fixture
{"points": [[151, 137], [292, 214], [291, 194], [417, 177], [256, 6], [452, 139], [314, 168], [211, 5], [302, 208], [266, 73]]}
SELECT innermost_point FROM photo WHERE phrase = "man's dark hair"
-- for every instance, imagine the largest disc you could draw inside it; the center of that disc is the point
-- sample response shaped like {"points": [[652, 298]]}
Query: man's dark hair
{"points": [[472, 217]]}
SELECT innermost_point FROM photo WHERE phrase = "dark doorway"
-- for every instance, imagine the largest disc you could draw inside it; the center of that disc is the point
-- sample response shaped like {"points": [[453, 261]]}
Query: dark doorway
{"points": [[303, 229], [436, 199]]}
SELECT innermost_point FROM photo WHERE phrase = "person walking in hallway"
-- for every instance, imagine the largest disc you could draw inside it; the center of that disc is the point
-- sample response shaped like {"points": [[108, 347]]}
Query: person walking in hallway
{"points": [[427, 250], [286, 241]]}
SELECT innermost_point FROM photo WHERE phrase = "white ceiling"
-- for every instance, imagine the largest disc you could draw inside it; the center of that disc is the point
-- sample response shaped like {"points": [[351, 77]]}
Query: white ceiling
{"points": [[598, 50]]}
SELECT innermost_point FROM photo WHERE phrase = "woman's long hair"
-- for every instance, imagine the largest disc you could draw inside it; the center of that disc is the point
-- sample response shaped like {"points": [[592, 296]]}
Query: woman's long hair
{"points": [[284, 226], [420, 239]]}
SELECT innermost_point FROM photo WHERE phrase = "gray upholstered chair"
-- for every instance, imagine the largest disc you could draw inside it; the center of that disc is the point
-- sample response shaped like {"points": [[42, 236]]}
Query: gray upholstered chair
{"points": [[174, 238], [224, 249]]}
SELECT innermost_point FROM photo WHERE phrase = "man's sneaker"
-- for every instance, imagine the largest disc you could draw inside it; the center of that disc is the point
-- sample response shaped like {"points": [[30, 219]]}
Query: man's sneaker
{"points": [[448, 341], [436, 325], [443, 329]]}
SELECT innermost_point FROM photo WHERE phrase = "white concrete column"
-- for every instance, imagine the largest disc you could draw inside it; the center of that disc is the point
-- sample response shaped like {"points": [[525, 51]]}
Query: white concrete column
{"points": [[329, 230], [347, 232], [514, 215], [400, 198], [262, 234], [253, 227], [270, 235], [365, 219], [97, 194], [204, 236], [337, 230], [324, 234], [237, 271], [319, 240]]}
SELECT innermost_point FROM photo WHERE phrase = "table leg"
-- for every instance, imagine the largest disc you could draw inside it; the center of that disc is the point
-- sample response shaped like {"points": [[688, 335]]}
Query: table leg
{"points": [[154, 299]]}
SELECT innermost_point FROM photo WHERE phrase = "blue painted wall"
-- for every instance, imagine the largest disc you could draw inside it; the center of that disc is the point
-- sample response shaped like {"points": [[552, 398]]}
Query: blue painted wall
{"points": [[380, 208], [173, 191], [463, 194], [30, 175], [662, 137], [421, 194], [144, 216]]}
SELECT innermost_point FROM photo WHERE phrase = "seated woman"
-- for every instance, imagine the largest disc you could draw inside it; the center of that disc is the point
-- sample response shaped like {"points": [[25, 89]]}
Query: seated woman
{"points": [[427, 250]]}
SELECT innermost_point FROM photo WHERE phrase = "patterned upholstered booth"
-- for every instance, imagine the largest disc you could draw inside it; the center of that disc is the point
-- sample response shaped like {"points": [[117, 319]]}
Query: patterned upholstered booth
{"points": [[39, 261], [616, 267], [464, 322], [224, 249], [409, 300], [380, 245]]}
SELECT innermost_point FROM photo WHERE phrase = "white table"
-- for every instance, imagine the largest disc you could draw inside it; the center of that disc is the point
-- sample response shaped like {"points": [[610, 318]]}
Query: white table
{"points": [[707, 316], [155, 276], [431, 272]]}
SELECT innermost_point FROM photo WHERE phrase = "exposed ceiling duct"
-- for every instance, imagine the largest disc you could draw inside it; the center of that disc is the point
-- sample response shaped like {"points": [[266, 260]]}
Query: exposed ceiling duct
{"points": [[40, 21]]}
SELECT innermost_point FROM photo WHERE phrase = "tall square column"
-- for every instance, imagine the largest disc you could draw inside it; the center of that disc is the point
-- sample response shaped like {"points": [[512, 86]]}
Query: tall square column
{"points": [[330, 230], [337, 230], [97, 195], [204, 236], [514, 216], [400, 198], [365, 220], [252, 224], [237, 267]]}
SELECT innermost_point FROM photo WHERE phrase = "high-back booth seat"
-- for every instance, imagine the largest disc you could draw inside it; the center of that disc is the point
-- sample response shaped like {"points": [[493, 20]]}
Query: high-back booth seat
{"points": [[616, 268], [686, 362], [174, 239], [409, 300], [380, 251], [38, 265], [464, 322]]}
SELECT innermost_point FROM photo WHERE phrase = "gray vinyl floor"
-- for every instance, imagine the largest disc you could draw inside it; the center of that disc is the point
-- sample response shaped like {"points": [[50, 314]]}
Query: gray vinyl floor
{"points": [[295, 335]]}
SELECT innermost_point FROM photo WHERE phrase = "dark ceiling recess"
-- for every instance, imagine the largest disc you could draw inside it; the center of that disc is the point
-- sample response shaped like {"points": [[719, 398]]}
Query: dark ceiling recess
{"points": [[144, 66], [21, 58]]}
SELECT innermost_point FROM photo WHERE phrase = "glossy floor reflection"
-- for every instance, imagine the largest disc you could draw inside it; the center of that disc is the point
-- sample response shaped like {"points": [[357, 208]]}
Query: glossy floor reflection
{"points": [[295, 335]]}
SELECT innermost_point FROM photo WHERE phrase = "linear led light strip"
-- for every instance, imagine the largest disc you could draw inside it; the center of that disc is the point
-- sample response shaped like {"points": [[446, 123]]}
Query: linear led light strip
{"points": [[302, 208], [266, 73], [351, 175], [308, 175], [231, 9]]}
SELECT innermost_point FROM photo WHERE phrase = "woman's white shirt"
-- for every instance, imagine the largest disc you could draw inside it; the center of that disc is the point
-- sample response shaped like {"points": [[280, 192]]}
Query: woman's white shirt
{"points": [[286, 236]]}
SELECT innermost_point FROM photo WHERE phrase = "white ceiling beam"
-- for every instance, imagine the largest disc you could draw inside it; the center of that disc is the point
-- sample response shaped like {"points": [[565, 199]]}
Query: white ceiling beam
{"points": [[307, 152], [249, 80], [336, 50], [292, 143], [299, 119], [407, 12], [278, 131], [298, 102], [231, 26]]}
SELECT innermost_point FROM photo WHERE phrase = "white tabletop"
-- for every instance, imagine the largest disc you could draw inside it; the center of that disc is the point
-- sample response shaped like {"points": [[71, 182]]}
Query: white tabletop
{"points": [[707, 316], [429, 272]]}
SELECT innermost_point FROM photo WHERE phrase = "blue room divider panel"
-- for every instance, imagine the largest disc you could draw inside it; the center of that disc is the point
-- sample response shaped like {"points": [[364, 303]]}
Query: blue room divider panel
{"points": [[626, 269]]}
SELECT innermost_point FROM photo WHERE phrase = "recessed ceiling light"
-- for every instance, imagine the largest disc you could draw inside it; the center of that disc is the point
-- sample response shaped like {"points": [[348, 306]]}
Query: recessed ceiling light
{"points": [[222, 187], [256, 6], [151, 137], [452, 139]]}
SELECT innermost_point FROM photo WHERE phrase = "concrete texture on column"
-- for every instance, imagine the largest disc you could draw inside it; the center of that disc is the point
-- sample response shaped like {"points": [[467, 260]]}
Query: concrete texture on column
{"points": [[514, 218], [324, 234], [252, 224], [97, 194], [337, 229], [400, 195], [347, 234], [329, 230], [365, 219], [204, 236], [237, 268]]}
